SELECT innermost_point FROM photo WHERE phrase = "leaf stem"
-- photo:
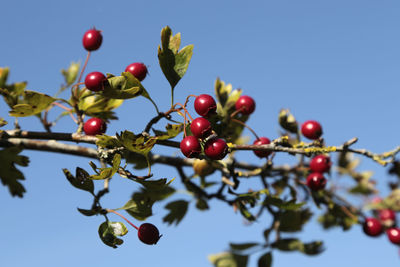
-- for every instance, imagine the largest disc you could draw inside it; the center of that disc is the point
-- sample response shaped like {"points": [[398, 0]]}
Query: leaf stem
{"points": [[120, 215]]}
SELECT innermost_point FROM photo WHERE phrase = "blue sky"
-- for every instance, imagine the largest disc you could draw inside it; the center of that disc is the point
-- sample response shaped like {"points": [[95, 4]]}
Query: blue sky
{"points": [[333, 61]]}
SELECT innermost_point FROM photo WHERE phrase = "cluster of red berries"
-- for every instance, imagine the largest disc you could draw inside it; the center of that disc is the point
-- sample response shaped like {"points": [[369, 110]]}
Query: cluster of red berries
{"points": [[386, 221], [95, 81], [318, 165], [214, 148]]}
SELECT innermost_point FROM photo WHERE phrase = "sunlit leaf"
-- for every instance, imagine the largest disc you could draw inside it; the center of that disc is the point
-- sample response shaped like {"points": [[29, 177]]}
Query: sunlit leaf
{"points": [[34, 103]]}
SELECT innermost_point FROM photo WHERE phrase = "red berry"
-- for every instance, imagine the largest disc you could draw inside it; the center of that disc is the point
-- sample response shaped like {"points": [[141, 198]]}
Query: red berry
{"points": [[387, 215], [200, 127], [320, 163], [372, 227], [205, 105], [394, 235], [245, 104], [137, 69], [92, 39], [94, 81], [190, 147], [216, 148], [316, 181], [94, 126], [262, 141], [311, 129], [148, 234]]}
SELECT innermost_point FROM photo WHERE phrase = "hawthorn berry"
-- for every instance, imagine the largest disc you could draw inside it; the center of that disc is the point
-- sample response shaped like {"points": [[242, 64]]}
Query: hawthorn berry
{"points": [[311, 129], [92, 39], [262, 141], [387, 215], [216, 148], [137, 69], [148, 234], [94, 126], [94, 81], [316, 181], [205, 105], [200, 127], [372, 227], [190, 146], [245, 104], [320, 163], [394, 235]]}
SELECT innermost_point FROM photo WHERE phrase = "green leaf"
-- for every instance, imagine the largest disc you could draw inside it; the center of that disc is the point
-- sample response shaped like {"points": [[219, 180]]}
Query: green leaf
{"points": [[125, 86], [293, 220], [202, 204], [9, 174], [110, 171], [71, 73], [289, 205], [139, 207], [136, 143], [227, 259], [288, 121], [173, 63], [172, 131], [335, 216], [177, 211], [34, 103], [106, 141], [108, 232], [3, 76], [243, 246], [99, 106], [87, 212], [2, 122], [265, 260], [292, 244], [80, 180]]}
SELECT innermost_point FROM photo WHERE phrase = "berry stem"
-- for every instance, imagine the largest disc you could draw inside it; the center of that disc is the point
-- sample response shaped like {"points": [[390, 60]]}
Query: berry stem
{"points": [[245, 125], [120, 215], [236, 112]]}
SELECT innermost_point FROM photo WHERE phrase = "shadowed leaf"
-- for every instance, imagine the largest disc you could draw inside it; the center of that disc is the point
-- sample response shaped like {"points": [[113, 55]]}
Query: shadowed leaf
{"points": [[177, 211], [9, 174]]}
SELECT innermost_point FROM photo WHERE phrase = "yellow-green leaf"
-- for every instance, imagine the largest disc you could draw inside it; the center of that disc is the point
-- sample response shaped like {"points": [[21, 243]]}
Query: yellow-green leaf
{"points": [[34, 103]]}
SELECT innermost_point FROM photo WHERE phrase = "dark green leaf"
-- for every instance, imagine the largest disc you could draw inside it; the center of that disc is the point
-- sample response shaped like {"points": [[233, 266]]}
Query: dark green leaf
{"points": [[265, 260], [136, 143], [172, 131], [173, 63], [106, 141], [87, 212], [108, 232], [34, 103], [243, 246], [139, 207], [81, 180], [9, 174], [293, 221], [177, 211], [293, 244], [245, 212], [125, 86], [202, 204]]}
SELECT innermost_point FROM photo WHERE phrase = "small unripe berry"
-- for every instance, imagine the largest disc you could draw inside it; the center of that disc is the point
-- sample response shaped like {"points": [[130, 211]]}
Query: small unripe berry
{"points": [[94, 81], [216, 148], [202, 167], [316, 181], [205, 105], [94, 126], [245, 104], [200, 127], [92, 39], [311, 129], [148, 234], [262, 141], [320, 163], [190, 146], [372, 227], [137, 69]]}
